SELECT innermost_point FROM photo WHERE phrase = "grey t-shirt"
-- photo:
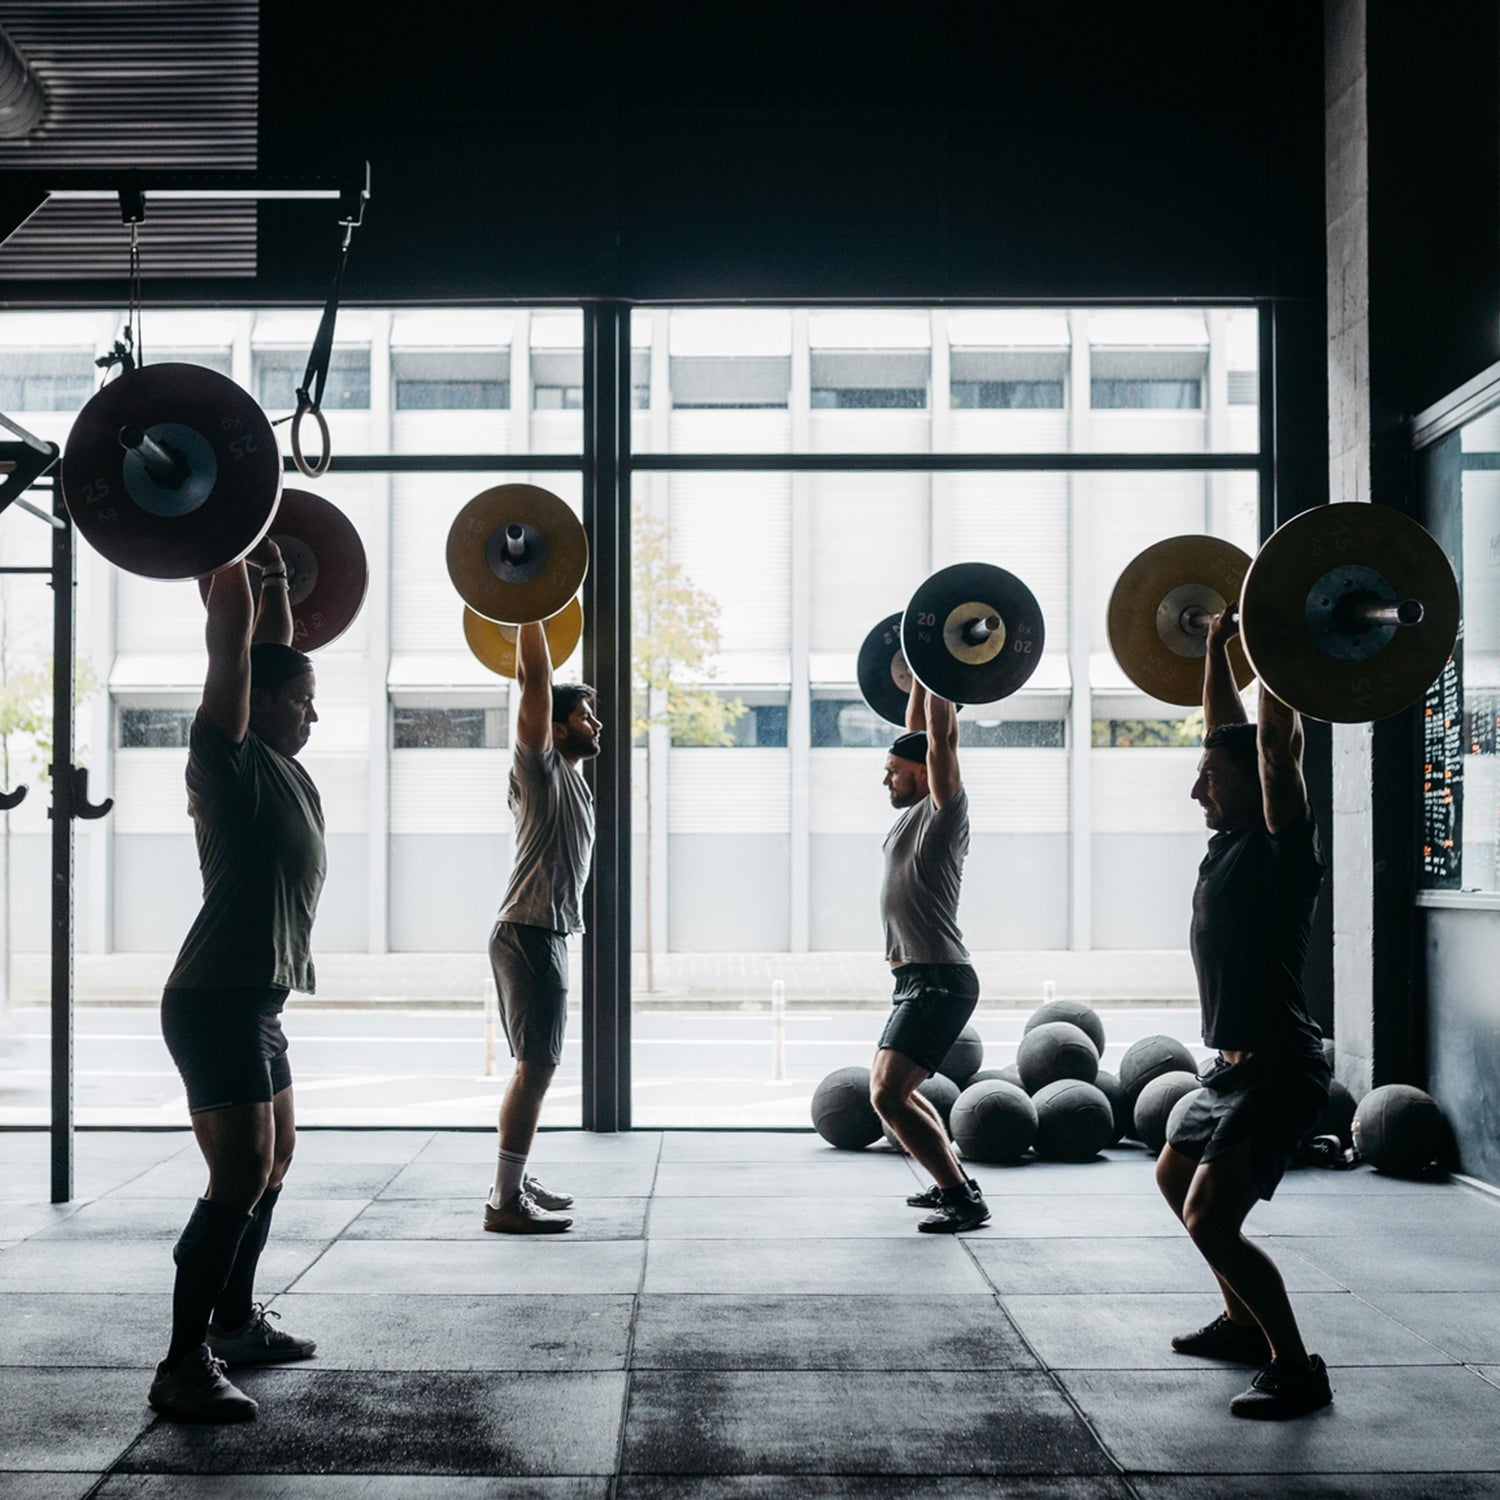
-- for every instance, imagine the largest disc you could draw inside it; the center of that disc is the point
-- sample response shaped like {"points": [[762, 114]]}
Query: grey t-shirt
{"points": [[554, 813], [924, 866], [259, 824]]}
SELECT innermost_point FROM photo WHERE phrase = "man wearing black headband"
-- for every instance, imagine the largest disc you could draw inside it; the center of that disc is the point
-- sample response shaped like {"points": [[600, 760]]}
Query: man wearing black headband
{"points": [[259, 825], [936, 988]]}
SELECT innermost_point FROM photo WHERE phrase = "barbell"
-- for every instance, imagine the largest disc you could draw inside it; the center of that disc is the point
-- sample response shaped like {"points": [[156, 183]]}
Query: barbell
{"points": [[516, 554], [495, 644], [1347, 613]]}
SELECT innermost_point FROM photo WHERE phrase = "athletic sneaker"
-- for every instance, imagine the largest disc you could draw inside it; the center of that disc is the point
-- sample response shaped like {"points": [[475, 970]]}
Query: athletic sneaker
{"points": [[1276, 1393], [958, 1209], [932, 1197], [1227, 1340], [544, 1197], [522, 1214], [257, 1343], [196, 1389]]}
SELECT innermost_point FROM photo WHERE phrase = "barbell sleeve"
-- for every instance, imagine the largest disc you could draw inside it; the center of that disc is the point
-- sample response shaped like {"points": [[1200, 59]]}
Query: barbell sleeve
{"points": [[165, 467], [976, 632]]}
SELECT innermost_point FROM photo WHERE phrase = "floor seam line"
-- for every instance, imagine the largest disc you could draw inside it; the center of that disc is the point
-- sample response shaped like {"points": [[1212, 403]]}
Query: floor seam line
{"points": [[635, 1316]]}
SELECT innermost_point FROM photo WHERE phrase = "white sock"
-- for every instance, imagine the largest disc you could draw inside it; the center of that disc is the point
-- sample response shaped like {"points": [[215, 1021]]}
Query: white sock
{"points": [[510, 1169]]}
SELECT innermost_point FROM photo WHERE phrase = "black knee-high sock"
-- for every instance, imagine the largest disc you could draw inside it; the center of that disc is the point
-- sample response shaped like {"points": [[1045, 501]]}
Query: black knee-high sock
{"points": [[204, 1253], [233, 1307]]}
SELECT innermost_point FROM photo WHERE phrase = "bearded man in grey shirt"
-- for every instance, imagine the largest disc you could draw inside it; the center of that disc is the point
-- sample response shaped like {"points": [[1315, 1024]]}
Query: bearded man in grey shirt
{"points": [[936, 988], [554, 812]]}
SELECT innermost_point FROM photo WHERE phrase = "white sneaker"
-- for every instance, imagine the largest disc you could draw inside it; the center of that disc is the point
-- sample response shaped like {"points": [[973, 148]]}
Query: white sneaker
{"points": [[544, 1197], [522, 1214]]}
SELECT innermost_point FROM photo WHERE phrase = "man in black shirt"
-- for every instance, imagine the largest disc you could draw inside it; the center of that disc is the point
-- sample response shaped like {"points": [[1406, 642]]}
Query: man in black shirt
{"points": [[1252, 910]]}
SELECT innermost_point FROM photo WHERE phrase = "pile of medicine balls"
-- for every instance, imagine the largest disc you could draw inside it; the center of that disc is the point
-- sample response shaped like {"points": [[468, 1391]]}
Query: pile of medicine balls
{"points": [[1056, 1102]]}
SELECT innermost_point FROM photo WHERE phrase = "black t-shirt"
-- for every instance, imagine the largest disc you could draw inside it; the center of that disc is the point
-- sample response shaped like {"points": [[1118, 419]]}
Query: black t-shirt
{"points": [[1252, 914]]}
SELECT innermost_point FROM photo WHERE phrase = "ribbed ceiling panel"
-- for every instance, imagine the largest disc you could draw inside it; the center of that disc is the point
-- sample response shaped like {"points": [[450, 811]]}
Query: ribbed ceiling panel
{"points": [[137, 83]]}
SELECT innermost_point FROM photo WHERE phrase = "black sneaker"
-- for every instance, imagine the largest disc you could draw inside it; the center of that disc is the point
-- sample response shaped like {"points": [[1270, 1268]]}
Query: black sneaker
{"points": [[1276, 1393], [196, 1389], [932, 1197], [1223, 1339], [958, 1209]]}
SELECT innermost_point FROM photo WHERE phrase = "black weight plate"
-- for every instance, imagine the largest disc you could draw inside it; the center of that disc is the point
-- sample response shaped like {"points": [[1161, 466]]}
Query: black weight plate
{"points": [[884, 678], [935, 651]]}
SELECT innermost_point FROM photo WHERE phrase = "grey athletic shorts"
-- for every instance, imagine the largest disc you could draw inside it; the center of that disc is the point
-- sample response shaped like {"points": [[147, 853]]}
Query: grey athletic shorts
{"points": [[931, 1004], [531, 980], [228, 1045]]}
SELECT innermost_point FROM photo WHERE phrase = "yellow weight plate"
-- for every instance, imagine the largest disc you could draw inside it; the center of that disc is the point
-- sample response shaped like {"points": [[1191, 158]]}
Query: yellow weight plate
{"points": [[1152, 606], [495, 644], [1300, 596], [517, 553]]}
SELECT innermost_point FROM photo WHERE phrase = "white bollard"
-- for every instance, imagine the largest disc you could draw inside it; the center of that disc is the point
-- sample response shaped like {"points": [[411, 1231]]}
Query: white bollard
{"points": [[489, 1042], [778, 1030], [1049, 991]]}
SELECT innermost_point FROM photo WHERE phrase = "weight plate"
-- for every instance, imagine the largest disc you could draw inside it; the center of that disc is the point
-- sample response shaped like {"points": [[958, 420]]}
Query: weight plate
{"points": [[327, 574], [210, 503], [884, 677], [495, 644], [1323, 672], [950, 645], [1148, 632], [536, 580]]}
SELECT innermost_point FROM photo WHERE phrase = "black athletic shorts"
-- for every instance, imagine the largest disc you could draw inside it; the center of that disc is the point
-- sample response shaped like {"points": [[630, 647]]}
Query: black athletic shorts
{"points": [[933, 1003], [531, 980], [228, 1044], [1273, 1104]]}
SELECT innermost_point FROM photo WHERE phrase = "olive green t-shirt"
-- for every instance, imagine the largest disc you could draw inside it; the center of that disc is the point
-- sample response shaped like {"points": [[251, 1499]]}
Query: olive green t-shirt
{"points": [[259, 823]]}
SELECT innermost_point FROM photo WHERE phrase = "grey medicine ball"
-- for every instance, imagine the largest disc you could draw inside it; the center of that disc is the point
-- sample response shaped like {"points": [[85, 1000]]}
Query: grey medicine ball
{"points": [[1400, 1130], [964, 1058], [1149, 1058], [994, 1122], [1154, 1106], [1109, 1086], [996, 1075], [942, 1093], [1178, 1111], [1075, 1013], [841, 1110], [1074, 1120], [1054, 1050]]}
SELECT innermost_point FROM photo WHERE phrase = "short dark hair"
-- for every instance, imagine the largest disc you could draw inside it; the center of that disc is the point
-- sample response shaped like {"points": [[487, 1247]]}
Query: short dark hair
{"points": [[566, 696], [273, 665], [911, 746], [1238, 742]]}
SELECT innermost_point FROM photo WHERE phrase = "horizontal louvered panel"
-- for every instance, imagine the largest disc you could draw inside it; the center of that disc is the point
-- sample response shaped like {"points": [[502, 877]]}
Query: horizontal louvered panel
{"points": [[343, 782], [1144, 791], [855, 431], [450, 791], [151, 616], [730, 432], [150, 793], [1008, 431], [729, 791], [86, 240], [426, 613], [1147, 431]]}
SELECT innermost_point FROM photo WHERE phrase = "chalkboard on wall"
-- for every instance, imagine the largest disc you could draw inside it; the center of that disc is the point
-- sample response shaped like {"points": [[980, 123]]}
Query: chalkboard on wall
{"points": [[1442, 778]]}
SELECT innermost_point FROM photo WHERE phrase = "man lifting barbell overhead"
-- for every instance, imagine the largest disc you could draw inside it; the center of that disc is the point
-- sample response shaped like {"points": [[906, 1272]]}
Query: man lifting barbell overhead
{"points": [[259, 825], [554, 812], [1252, 913]]}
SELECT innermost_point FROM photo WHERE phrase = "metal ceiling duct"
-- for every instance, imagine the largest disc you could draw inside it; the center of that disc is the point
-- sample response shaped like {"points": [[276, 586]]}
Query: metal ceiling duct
{"points": [[23, 100]]}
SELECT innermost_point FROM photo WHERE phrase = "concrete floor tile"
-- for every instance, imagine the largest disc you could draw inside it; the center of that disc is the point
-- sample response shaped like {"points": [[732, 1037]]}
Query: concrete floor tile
{"points": [[347, 1487], [1135, 1332], [902, 1422], [1407, 1260], [1460, 1210], [299, 1216], [850, 1175], [1465, 1325], [368, 1147], [93, 1146], [134, 1266], [185, 1177], [459, 1218], [888, 1217], [432, 1422], [56, 1330], [449, 1179], [865, 1487], [915, 1332], [933, 1263], [1165, 1422], [1079, 1266], [581, 1146], [1108, 1175], [495, 1265], [461, 1333], [1321, 1487], [70, 1420], [800, 1146], [1362, 1181], [16, 1486], [19, 1221]]}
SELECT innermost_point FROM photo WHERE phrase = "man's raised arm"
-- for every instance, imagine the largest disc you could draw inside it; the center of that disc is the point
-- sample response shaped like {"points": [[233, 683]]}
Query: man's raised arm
{"points": [[1279, 740], [943, 779], [1221, 698], [226, 689], [534, 678]]}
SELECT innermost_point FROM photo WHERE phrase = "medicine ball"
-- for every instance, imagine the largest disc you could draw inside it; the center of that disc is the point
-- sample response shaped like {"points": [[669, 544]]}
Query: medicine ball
{"points": [[1109, 1086], [1075, 1013], [994, 1122], [942, 1093], [1154, 1106], [996, 1075], [964, 1058], [1178, 1111], [1074, 1120], [1338, 1114], [1400, 1130], [1054, 1050], [1149, 1058], [841, 1110]]}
